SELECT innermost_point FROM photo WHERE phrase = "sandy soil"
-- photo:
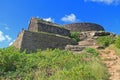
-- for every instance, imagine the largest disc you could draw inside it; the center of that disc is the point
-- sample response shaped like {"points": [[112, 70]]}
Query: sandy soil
{"points": [[112, 61]]}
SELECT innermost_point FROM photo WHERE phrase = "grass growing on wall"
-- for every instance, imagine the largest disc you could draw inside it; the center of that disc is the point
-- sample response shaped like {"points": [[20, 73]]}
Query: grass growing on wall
{"points": [[50, 65]]}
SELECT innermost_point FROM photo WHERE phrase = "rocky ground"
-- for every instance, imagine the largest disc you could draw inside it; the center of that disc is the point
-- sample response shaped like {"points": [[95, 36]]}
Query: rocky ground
{"points": [[112, 62], [109, 58]]}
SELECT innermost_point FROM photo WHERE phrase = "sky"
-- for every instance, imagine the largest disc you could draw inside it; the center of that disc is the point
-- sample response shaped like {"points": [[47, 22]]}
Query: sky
{"points": [[16, 14]]}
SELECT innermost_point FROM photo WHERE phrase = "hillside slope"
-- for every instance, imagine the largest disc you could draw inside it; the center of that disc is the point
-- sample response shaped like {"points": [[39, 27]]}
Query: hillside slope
{"points": [[112, 62]]}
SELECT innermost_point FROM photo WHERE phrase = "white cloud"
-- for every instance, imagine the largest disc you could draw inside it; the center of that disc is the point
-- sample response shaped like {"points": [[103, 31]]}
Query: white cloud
{"points": [[69, 18], [6, 27], [105, 1], [8, 37], [48, 19], [11, 42], [4, 37]]}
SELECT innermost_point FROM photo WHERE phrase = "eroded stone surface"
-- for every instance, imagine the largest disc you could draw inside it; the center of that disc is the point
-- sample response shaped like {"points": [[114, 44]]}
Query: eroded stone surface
{"points": [[84, 27], [38, 25], [74, 47], [31, 41]]}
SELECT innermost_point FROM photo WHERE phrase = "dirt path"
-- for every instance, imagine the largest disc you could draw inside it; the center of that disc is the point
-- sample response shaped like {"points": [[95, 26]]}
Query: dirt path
{"points": [[112, 62]]}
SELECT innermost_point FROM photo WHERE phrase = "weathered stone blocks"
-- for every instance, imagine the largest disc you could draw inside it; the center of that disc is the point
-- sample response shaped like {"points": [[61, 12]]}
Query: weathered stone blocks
{"points": [[43, 34], [31, 41], [84, 27], [38, 25]]}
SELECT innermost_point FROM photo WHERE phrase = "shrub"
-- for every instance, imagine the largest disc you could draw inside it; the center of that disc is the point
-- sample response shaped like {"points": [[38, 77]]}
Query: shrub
{"points": [[75, 36], [92, 51], [114, 48], [117, 42], [50, 65], [105, 41], [14, 64]]}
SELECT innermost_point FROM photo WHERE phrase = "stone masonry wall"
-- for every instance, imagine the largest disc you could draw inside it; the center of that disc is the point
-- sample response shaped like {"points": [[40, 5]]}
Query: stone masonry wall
{"points": [[37, 25], [18, 41], [31, 41], [84, 27], [33, 25]]}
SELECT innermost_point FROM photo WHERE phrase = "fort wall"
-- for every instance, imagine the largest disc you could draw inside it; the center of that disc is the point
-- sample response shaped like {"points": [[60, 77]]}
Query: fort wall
{"points": [[42, 35], [31, 41], [84, 27], [38, 25], [18, 41]]}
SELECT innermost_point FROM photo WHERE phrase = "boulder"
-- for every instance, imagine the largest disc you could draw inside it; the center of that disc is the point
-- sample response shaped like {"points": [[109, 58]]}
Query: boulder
{"points": [[102, 33], [74, 48]]}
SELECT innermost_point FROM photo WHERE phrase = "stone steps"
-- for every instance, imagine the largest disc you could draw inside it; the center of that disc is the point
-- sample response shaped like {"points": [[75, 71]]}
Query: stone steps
{"points": [[87, 42]]}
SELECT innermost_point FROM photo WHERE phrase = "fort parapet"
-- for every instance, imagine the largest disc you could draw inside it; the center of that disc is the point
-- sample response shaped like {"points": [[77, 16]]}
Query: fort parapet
{"points": [[38, 25]]}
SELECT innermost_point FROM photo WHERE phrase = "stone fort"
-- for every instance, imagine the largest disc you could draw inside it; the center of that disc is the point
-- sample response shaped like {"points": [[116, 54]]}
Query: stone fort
{"points": [[42, 34]]}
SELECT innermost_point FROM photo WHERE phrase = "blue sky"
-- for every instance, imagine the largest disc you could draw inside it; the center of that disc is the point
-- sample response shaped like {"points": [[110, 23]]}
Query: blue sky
{"points": [[15, 14]]}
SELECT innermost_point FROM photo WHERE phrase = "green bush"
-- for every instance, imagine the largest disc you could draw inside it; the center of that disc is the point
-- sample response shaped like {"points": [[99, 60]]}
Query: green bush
{"points": [[14, 64], [117, 42], [92, 51], [105, 40], [50, 65], [75, 36]]}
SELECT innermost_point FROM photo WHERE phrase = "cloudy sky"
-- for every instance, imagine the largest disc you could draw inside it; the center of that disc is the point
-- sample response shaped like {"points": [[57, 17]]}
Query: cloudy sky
{"points": [[15, 14]]}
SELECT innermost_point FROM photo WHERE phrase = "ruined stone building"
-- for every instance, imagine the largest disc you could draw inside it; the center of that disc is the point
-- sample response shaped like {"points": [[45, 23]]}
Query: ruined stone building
{"points": [[38, 25], [43, 34]]}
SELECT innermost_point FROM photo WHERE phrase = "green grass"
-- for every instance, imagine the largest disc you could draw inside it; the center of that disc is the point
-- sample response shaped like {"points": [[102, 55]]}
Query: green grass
{"points": [[50, 65], [105, 41], [91, 51], [113, 47], [117, 41]]}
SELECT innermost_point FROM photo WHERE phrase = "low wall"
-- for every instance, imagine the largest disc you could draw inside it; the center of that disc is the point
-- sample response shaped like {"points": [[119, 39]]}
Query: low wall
{"points": [[31, 41]]}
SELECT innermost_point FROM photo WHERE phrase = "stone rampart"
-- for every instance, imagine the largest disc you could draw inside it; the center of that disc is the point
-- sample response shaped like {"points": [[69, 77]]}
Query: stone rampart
{"points": [[84, 27], [18, 41], [38, 25], [31, 41]]}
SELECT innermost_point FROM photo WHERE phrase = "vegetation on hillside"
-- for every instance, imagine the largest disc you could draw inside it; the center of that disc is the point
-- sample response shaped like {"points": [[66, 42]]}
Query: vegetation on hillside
{"points": [[117, 42], [51, 65], [105, 41], [114, 48], [75, 36], [111, 42], [91, 51]]}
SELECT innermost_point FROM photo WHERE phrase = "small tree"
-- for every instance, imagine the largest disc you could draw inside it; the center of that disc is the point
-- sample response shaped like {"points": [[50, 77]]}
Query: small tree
{"points": [[75, 36]]}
